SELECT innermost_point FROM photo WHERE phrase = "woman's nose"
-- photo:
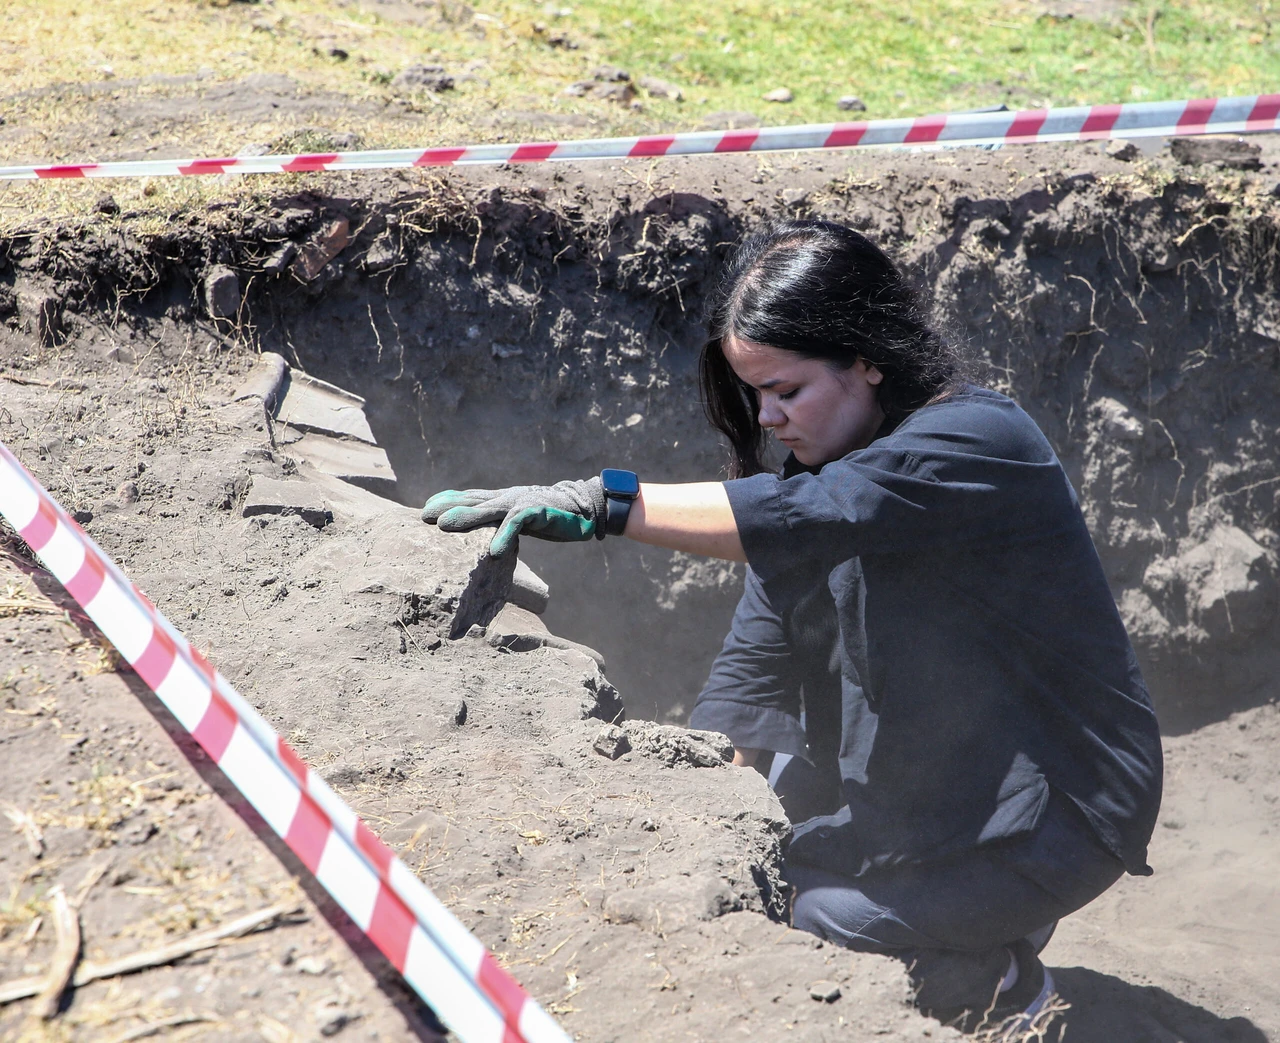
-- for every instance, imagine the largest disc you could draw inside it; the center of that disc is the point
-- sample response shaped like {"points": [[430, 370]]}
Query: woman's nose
{"points": [[770, 415]]}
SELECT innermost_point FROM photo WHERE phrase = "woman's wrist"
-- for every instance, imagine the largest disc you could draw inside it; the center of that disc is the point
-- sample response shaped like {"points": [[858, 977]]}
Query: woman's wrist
{"points": [[695, 517]]}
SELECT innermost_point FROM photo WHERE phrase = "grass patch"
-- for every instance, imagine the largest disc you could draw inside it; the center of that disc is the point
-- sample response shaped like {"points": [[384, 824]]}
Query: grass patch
{"points": [[68, 68], [913, 56]]}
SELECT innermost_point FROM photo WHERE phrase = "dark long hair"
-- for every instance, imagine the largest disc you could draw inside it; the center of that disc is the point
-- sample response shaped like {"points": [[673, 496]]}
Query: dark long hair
{"points": [[825, 292]]}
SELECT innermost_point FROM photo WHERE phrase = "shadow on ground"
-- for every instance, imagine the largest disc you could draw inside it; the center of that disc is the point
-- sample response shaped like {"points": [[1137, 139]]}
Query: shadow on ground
{"points": [[1105, 1009]]}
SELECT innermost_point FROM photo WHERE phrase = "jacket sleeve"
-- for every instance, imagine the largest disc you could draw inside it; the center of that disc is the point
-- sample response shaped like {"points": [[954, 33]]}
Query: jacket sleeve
{"points": [[753, 693], [935, 484]]}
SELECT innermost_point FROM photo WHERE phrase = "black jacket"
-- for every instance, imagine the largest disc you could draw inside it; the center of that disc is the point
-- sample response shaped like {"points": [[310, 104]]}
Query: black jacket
{"points": [[935, 604]]}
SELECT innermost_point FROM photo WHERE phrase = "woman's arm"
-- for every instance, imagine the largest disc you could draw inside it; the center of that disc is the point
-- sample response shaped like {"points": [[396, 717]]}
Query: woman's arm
{"points": [[694, 517]]}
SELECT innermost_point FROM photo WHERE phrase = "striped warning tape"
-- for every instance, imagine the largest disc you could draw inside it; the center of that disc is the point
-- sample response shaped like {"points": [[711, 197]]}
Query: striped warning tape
{"points": [[1259, 112], [439, 958]]}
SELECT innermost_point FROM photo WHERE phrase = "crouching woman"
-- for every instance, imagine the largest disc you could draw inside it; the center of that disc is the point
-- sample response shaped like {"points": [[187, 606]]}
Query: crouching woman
{"points": [[926, 662]]}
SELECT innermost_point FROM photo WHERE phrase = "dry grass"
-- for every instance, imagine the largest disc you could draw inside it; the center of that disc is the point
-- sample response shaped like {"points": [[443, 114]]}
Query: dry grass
{"points": [[61, 61]]}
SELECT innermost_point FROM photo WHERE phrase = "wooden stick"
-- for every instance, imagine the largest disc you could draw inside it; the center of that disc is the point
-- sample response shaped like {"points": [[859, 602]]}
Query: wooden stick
{"points": [[87, 972], [154, 1028], [66, 954]]}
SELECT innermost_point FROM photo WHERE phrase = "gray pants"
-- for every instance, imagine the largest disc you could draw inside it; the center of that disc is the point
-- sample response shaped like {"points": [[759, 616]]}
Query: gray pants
{"points": [[949, 921]]}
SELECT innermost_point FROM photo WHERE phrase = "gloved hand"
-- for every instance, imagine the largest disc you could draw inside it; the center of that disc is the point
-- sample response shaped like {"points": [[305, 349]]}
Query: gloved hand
{"points": [[563, 512]]}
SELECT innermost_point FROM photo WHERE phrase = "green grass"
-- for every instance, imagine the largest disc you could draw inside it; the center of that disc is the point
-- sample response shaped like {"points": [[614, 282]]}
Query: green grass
{"points": [[902, 58], [905, 57]]}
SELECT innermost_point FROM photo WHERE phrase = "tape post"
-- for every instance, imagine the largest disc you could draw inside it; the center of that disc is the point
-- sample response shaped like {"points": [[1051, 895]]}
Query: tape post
{"points": [[447, 966], [1239, 115]]}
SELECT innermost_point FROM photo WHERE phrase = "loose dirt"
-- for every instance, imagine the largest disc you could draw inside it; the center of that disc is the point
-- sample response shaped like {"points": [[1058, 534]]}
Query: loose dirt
{"points": [[528, 325]]}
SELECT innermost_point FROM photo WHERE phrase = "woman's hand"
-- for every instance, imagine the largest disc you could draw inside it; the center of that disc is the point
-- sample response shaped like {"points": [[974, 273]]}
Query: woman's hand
{"points": [[745, 757], [564, 512]]}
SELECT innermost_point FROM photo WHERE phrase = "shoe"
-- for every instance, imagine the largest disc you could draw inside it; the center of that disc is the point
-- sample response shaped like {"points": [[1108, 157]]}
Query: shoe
{"points": [[1005, 1016], [1014, 1012]]}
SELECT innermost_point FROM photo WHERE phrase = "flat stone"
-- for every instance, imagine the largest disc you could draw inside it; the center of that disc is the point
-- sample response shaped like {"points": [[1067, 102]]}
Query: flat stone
{"points": [[1124, 151], [519, 630], [322, 248], [313, 405], [529, 590], [851, 103], [271, 496], [356, 462], [780, 95], [825, 991]]}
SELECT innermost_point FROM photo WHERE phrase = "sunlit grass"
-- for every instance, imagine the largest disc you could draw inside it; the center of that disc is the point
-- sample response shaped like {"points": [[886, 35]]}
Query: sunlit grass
{"points": [[914, 55], [909, 57]]}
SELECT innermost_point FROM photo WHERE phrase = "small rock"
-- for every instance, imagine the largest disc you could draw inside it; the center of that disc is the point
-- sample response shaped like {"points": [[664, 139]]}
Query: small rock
{"points": [[824, 991], [622, 93], [279, 261], [82, 517], [1124, 151], [266, 581], [477, 631], [612, 742], [610, 74], [657, 88], [794, 196], [649, 826], [106, 204], [1174, 823], [221, 292], [314, 965], [851, 103], [424, 77], [43, 312], [322, 248], [505, 351], [781, 95], [228, 592], [460, 713]]}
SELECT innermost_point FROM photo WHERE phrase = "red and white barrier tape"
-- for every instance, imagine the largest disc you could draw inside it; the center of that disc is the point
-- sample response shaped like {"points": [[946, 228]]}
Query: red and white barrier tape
{"points": [[439, 958], [1136, 120]]}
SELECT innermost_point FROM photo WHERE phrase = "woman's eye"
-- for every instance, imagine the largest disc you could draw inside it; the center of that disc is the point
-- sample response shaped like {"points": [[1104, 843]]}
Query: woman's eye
{"points": [[789, 394]]}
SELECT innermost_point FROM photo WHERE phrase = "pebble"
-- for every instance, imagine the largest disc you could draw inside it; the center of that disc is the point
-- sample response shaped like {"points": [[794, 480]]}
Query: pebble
{"points": [[851, 103], [824, 991], [612, 742], [1124, 151], [460, 713], [313, 965], [782, 95]]}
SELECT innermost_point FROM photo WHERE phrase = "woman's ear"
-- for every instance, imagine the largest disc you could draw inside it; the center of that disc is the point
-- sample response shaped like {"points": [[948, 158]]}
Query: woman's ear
{"points": [[870, 374]]}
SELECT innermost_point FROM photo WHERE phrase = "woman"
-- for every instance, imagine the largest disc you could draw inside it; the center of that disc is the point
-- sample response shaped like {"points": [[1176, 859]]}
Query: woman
{"points": [[927, 661]]}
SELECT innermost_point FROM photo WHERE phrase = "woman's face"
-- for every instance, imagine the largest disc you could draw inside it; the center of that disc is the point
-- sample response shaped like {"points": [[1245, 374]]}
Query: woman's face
{"points": [[818, 412]]}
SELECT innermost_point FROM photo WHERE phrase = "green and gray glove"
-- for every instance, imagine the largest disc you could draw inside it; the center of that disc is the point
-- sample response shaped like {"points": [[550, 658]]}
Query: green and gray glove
{"points": [[564, 512]]}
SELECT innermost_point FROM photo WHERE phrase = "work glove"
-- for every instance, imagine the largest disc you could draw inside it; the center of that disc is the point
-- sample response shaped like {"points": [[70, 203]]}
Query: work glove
{"points": [[564, 512]]}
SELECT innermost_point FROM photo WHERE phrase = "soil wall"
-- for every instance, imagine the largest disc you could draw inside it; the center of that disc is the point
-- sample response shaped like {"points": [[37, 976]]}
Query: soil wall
{"points": [[524, 326]]}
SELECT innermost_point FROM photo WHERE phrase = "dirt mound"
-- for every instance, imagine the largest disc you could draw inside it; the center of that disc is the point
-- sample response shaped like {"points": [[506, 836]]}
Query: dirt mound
{"points": [[516, 326]]}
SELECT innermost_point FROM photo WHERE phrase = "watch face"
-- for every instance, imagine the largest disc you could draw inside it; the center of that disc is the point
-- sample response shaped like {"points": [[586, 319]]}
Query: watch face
{"points": [[620, 483]]}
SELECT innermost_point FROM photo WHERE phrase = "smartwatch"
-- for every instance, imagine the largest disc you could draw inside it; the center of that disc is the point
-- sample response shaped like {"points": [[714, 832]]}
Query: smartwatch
{"points": [[620, 491]]}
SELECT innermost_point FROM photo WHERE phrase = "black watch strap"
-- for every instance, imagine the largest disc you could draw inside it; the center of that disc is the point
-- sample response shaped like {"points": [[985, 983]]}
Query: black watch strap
{"points": [[620, 491], [617, 511]]}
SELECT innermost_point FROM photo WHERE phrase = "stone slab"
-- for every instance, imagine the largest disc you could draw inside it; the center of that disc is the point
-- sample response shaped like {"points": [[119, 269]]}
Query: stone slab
{"points": [[297, 496], [312, 405], [356, 462], [529, 591]]}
